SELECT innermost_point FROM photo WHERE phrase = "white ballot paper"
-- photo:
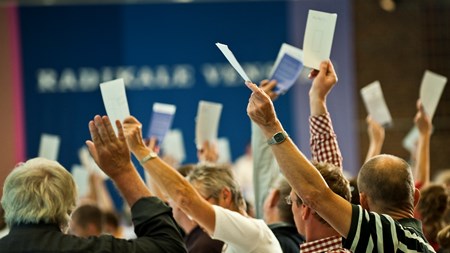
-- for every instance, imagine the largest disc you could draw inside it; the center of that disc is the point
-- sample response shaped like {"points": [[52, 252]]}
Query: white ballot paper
{"points": [[375, 104], [223, 148], [173, 145], [81, 178], [207, 122], [49, 146], [115, 101], [318, 38], [161, 120], [431, 90], [89, 164], [230, 57], [287, 67]]}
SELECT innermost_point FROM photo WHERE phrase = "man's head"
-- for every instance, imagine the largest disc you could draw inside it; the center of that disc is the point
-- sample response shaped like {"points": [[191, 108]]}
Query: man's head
{"points": [[275, 202], [217, 183], [338, 184], [386, 185], [87, 220], [39, 190]]}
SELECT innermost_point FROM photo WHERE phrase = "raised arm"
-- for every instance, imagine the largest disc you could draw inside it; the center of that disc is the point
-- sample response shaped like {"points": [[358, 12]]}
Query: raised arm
{"points": [[300, 173], [168, 179], [323, 141], [423, 123], [113, 157], [376, 137]]}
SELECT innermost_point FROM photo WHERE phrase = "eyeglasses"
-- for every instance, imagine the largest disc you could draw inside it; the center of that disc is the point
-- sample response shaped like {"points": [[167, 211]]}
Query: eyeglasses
{"points": [[289, 200]]}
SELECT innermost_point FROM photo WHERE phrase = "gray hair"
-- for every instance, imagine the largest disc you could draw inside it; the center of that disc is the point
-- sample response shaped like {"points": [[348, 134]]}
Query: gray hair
{"points": [[213, 178], [39, 190]]}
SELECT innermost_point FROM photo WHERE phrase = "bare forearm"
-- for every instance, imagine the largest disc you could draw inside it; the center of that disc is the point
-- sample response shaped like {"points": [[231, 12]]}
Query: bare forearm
{"points": [[423, 160], [374, 150], [131, 186], [317, 106]]}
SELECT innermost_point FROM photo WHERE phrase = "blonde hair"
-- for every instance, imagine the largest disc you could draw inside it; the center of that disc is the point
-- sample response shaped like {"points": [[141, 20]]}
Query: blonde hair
{"points": [[39, 190]]}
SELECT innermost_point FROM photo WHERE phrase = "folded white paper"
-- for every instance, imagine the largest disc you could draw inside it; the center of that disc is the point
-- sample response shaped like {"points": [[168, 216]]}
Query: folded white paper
{"points": [[410, 141], [207, 122], [431, 90], [287, 67], [49, 146], [115, 101], [161, 120], [89, 164], [223, 148], [230, 57], [173, 145], [318, 38], [81, 178], [375, 104]]}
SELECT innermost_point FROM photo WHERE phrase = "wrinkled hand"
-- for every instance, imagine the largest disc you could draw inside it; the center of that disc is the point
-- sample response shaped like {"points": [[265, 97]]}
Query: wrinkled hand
{"points": [[260, 108], [422, 120], [267, 86], [375, 130], [109, 151], [133, 134], [208, 153], [324, 80]]}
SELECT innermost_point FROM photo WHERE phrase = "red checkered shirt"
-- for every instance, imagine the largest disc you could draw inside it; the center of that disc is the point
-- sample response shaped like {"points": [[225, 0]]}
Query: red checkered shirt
{"points": [[324, 146], [331, 244]]}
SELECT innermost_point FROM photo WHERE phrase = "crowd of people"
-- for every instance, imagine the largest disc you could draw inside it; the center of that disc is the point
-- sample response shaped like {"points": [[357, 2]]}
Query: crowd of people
{"points": [[298, 203]]}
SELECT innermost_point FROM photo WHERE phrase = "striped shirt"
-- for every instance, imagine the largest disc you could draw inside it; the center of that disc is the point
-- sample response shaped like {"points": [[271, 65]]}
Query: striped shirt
{"points": [[372, 232]]}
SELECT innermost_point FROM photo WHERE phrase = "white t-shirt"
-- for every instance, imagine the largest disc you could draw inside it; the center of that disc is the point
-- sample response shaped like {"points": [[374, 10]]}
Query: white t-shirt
{"points": [[243, 234]]}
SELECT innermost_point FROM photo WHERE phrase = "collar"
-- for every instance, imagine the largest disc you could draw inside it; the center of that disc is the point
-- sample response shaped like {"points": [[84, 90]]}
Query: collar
{"points": [[322, 245]]}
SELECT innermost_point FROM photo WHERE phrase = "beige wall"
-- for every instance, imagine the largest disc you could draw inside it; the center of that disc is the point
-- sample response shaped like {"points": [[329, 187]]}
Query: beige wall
{"points": [[7, 145]]}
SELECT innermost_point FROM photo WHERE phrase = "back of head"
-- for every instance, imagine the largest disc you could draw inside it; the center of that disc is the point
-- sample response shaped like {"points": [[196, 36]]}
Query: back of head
{"points": [[86, 217], [443, 238], [335, 180], [213, 178], [284, 190], [39, 190], [387, 180], [2, 218]]}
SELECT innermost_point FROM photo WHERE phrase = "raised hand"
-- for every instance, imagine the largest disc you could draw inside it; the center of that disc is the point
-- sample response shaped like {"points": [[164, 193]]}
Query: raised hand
{"points": [[324, 80], [109, 151], [267, 86], [260, 108], [133, 134], [422, 121]]}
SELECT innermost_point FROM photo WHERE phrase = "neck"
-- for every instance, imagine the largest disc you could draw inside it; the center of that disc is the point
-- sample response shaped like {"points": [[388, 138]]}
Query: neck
{"points": [[317, 230]]}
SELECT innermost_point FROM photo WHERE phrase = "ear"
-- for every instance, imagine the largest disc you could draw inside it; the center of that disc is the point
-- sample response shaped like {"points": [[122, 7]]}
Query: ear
{"points": [[416, 196], [273, 201], [364, 201], [226, 198], [306, 211]]}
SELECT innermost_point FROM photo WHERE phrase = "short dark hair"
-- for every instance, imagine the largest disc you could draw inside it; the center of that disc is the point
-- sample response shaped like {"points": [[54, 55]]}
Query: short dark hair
{"points": [[387, 180], [88, 214], [284, 189], [335, 180]]}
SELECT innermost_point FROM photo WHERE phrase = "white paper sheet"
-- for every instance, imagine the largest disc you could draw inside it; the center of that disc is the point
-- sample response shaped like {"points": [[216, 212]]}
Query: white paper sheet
{"points": [[431, 90], [89, 164], [410, 141], [115, 101], [173, 145], [287, 67], [207, 122], [318, 38], [223, 147], [233, 61], [161, 120], [49, 146], [81, 178], [375, 103]]}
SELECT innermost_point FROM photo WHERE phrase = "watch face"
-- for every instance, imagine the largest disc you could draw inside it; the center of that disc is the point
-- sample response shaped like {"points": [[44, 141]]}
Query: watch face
{"points": [[279, 137]]}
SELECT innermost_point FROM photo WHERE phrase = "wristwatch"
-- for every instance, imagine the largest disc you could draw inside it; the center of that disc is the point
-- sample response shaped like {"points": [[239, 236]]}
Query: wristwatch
{"points": [[148, 157], [278, 138]]}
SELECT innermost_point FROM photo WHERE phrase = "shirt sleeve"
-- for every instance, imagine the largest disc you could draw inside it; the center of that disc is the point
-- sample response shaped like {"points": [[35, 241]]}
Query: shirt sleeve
{"points": [[242, 233], [323, 142], [265, 168]]}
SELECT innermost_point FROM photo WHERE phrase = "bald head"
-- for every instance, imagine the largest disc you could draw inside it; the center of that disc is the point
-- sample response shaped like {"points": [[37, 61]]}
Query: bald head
{"points": [[387, 180]]}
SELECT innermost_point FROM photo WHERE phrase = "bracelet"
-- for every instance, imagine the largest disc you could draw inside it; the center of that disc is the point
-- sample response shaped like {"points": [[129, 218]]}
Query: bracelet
{"points": [[148, 157]]}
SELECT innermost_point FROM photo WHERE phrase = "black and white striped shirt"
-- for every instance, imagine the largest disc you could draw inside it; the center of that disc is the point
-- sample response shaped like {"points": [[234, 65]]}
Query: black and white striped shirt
{"points": [[372, 232]]}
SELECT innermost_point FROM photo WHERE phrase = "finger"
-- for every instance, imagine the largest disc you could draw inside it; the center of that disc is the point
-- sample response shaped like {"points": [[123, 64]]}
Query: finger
{"points": [[101, 129], [92, 150], [94, 133], [130, 120], [263, 82], [152, 143], [270, 85], [323, 68], [109, 130], [120, 132], [313, 73], [252, 86], [331, 70]]}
